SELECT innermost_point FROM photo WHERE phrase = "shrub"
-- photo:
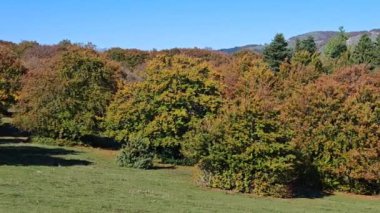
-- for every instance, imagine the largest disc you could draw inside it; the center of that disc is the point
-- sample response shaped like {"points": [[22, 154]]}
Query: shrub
{"points": [[136, 154], [247, 150]]}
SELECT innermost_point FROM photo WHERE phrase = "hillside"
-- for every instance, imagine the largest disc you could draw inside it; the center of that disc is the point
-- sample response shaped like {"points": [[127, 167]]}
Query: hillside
{"points": [[320, 37]]}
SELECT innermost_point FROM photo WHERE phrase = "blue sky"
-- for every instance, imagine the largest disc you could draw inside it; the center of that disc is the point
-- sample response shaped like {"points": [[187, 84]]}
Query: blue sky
{"points": [[148, 24]]}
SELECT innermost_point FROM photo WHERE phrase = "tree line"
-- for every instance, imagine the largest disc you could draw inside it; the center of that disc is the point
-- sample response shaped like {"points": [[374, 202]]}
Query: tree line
{"points": [[269, 124]]}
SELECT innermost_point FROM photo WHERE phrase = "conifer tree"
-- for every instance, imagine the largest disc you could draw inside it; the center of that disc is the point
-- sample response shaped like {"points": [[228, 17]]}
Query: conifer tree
{"points": [[307, 44], [364, 52], [337, 46], [377, 51], [276, 52]]}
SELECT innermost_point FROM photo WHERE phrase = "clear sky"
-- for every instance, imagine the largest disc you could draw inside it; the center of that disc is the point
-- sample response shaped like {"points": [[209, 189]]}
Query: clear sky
{"points": [[148, 24]]}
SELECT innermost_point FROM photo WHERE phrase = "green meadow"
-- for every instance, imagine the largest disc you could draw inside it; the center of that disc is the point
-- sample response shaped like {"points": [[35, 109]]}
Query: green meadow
{"points": [[40, 178]]}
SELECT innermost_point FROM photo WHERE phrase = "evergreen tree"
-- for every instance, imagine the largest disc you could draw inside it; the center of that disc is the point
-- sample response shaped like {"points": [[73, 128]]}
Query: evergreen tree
{"points": [[337, 46], [276, 52], [377, 51], [364, 52], [298, 45], [307, 44]]}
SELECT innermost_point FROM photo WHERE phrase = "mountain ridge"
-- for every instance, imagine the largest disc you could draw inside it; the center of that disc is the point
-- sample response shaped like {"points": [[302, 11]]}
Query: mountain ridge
{"points": [[321, 38]]}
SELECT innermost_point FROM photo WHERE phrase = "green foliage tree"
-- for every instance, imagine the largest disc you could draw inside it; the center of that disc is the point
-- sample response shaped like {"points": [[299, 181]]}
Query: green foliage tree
{"points": [[377, 51], [130, 58], [306, 58], [307, 44], [305, 53], [177, 92], [276, 52], [364, 51], [65, 43], [245, 147], [67, 97], [336, 46]]}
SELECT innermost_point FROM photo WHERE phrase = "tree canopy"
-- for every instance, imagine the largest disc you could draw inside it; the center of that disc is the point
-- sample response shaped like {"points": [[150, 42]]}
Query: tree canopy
{"points": [[11, 71], [67, 97], [364, 51], [176, 93], [337, 45], [270, 124]]}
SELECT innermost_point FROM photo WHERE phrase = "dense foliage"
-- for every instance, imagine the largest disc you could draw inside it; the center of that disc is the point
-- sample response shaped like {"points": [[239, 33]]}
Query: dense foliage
{"points": [[67, 97], [129, 58], [176, 93], [364, 52], [245, 148], [257, 123], [11, 71], [337, 128], [337, 46], [307, 44]]}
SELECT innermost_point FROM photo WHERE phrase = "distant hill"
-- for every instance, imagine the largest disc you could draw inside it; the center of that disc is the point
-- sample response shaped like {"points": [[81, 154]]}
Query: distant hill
{"points": [[320, 37], [252, 47]]}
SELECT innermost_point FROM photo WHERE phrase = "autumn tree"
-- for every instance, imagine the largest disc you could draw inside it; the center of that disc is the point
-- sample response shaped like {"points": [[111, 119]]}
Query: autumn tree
{"points": [[336, 128], [245, 147], [176, 93], [25, 45], [276, 52], [11, 71], [66, 96]]}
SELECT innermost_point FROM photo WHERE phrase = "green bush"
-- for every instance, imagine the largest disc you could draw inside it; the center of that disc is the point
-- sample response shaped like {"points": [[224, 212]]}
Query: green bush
{"points": [[136, 154], [246, 150]]}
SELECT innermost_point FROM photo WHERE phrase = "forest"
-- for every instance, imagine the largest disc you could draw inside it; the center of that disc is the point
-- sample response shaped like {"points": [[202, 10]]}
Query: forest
{"points": [[274, 123]]}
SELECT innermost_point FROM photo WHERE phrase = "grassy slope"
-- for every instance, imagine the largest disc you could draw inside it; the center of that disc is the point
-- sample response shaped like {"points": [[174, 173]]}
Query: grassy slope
{"points": [[39, 185]]}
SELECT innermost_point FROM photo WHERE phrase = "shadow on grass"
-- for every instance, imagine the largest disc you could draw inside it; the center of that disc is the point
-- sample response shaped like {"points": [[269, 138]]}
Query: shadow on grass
{"points": [[7, 129], [101, 142], [311, 194], [158, 167], [13, 140], [37, 156], [309, 185]]}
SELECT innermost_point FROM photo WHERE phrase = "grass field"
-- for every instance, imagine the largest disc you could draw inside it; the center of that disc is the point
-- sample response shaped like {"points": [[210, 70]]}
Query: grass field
{"points": [[36, 178]]}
